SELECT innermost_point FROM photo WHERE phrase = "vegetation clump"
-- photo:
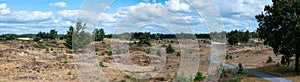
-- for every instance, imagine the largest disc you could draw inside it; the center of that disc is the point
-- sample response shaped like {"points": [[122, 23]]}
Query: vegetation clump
{"points": [[101, 64], [199, 76], [169, 49], [228, 56], [270, 59]]}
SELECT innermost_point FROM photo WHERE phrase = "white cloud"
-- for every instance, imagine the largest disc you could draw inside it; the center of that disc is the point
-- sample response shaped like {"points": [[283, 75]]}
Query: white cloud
{"points": [[58, 4], [3, 5], [26, 16], [4, 9], [176, 5]]}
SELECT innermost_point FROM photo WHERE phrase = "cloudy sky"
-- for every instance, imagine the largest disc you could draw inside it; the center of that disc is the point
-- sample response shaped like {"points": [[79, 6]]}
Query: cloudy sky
{"points": [[157, 16]]}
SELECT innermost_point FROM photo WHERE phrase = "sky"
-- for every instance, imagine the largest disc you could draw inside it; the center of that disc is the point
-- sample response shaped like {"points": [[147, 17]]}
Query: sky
{"points": [[117, 16]]}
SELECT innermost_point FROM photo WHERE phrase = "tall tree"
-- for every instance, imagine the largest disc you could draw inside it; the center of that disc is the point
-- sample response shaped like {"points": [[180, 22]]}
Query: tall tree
{"points": [[99, 34], [10, 36], [279, 27], [80, 38], [53, 34], [68, 38]]}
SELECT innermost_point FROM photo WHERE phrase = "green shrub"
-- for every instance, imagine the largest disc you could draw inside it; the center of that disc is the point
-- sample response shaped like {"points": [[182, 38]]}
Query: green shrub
{"points": [[270, 59], [148, 51], [65, 61], [181, 78], [102, 54], [39, 45], [101, 64], [240, 68], [178, 54], [118, 51], [154, 69], [110, 53], [130, 43], [221, 71], [209, 77], [69, 73], [169, 49], [51, 49], [33, 59], [228, 56], [38, 70], [21, 47], [158, 53], [199, 77], [96, 49], [47, 49]]}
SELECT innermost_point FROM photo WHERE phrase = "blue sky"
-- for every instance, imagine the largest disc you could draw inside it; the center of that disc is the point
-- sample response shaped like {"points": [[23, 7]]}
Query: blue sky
{"points": [[164, 16]]}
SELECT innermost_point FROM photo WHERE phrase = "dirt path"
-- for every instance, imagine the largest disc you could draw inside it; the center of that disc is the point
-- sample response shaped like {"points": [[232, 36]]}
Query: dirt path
{"points": [[256, 73]]}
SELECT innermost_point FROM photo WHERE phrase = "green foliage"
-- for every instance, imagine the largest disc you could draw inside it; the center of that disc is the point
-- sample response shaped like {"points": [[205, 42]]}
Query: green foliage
{"points": [[47, 49], [145, 39], [51, 49], [10, 36], [38, 70], [99, 34], [158, 52], [240, 68], [279, 27], [101, 64], [102, 54], [53, 34], [7, 59], [65, 61], [130, 43], [228, 56], [68, 38], [270, 59], [221, 71], [147, 51], [110, 53], [209, 77], [236, 36], [180, 78], [69, 73], [169, 49], [118, 51], [33, 59], [154, 69], [39, 45], [21, 47], [36, 39], [199, 77], [178, 54], [96, 49]]}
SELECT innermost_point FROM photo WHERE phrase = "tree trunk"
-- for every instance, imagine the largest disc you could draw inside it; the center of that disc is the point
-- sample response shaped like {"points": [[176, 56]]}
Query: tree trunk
{"points": [[297, 62]]}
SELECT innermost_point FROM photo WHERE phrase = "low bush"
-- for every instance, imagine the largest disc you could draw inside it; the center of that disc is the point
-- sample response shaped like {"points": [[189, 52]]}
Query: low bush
{"points": [[270, 59], [69, 73], [178, 54], [199, 77], [109, 53], [169, 49], [101, 64], [21, 47], [221, 71], [158, 53], [65, 61], [228, 56], [240, 68]]}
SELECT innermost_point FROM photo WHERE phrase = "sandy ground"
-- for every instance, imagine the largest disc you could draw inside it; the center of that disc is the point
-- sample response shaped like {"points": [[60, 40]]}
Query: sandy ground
{"points": [[17, 64]]}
